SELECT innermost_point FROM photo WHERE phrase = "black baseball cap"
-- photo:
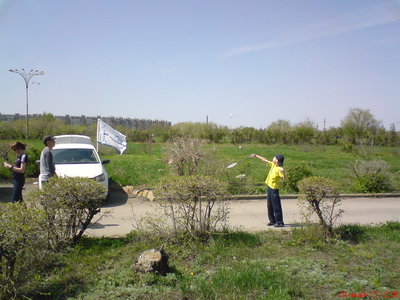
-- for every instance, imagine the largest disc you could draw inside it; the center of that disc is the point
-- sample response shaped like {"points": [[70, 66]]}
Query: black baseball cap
{"points": [[280, 158], [48, 138]]}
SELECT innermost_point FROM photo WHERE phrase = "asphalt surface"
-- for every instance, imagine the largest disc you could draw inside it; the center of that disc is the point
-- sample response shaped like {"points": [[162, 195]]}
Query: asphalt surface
{"points": [[121, 213], [248, 215]]}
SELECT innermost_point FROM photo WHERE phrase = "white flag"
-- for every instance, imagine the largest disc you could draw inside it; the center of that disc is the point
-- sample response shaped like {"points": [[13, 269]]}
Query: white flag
{"points": [[106, 135]]}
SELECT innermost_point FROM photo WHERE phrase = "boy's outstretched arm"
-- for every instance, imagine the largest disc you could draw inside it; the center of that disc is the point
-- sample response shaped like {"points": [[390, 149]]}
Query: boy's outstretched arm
{"points": [[260, 158]]}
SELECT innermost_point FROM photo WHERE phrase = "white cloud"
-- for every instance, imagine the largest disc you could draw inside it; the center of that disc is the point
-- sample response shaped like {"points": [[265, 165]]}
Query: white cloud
{"points": [[363, 18]]}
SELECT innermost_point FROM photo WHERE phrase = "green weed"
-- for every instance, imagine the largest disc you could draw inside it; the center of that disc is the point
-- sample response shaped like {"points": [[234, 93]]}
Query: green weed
{"points": [[229, 265], [244, 280]]}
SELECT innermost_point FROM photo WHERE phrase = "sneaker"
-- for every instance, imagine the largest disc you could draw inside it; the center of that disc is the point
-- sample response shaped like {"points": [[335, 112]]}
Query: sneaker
{"points": [[278, 225], [271, 224]]}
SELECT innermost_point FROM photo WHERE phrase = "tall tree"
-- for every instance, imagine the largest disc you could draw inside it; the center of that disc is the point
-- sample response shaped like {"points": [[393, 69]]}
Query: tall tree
{"points": [[280, 131], [360, 125], [305, 131], [393, 136]]}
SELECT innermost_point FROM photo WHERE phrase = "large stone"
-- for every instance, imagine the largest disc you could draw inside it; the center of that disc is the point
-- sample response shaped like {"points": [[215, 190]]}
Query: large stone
{"points": [[152, 260], [128, 189], [150, 196], [144, 193]]}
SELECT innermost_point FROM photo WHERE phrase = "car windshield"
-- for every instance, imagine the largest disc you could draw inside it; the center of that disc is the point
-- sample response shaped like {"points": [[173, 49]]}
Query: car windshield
{"points": [[74, 156]]}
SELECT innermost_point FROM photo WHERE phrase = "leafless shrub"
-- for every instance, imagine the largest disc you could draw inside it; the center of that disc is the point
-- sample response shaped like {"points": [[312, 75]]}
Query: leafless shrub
{"points": [[364, 149], [193, 203], [185, 154]]}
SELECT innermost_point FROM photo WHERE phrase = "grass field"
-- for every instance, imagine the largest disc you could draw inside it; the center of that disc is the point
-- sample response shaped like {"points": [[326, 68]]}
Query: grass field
{"points": [[234, 265], [142, 167], [143, 164]]}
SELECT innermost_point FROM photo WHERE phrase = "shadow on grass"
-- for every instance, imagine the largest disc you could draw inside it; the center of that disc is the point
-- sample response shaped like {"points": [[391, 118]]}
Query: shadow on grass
{"points": [[5, 194], [61, 289], [64, 283], [356, 233], [352, 232], [100, 244]]}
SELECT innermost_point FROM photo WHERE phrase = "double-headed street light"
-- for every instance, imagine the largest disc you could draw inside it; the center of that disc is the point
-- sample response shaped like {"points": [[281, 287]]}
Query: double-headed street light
{"points": [[27, 77]]}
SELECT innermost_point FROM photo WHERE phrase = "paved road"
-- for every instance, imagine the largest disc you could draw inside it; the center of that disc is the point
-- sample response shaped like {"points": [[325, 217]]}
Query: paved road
{"points": [[248, 215]]}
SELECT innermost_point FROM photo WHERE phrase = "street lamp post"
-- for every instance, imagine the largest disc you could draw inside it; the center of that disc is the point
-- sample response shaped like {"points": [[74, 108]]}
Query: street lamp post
{"points": [[27, 77]]}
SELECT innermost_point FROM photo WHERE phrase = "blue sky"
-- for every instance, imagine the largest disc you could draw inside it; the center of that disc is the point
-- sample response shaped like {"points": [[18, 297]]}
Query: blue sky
{"points": [[241, 63]]}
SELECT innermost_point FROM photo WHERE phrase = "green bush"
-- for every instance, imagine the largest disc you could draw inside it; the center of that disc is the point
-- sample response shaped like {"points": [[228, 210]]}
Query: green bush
{"points": [[372, 176], [295, 171], [69, 203], [371, 184], [23, 252], [32, 169], [5, 151], [6, 154]]}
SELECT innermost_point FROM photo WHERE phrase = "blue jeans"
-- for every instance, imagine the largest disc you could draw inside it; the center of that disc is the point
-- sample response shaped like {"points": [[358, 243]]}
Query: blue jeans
{"points": [[17, 190], [274, 206]]}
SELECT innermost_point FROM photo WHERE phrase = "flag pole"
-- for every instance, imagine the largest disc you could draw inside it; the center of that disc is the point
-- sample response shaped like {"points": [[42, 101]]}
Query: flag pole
{"points": [[97, 136]]}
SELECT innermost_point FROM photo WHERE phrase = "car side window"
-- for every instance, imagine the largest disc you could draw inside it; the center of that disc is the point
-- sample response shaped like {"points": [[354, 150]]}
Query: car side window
{"points": [[74, 156]]}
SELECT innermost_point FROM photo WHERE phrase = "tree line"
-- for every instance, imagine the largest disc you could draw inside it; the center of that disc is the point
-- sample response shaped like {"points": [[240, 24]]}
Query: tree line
{"points": [[358, 127]]}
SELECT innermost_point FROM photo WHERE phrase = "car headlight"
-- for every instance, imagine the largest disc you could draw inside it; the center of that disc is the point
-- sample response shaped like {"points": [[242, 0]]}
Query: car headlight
{"points": [[100, 178]]}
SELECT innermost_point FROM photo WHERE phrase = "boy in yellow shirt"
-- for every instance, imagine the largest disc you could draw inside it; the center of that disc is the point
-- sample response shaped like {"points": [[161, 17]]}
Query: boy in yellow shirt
{"points": [[275, 175]]}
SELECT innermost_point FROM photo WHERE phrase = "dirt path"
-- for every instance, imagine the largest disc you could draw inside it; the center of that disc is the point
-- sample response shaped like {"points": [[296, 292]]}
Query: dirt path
{"points": [[248, 215]]}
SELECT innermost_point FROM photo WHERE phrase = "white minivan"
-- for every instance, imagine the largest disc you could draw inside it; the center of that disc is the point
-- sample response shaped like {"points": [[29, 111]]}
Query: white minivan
{"points": [[75, 156]]}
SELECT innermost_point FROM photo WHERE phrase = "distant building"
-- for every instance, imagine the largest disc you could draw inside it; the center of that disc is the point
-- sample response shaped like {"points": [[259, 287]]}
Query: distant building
{"points": [[85, 120]]}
